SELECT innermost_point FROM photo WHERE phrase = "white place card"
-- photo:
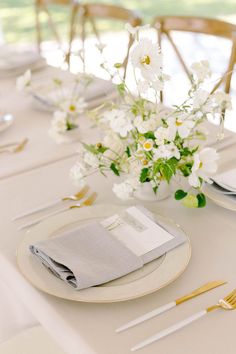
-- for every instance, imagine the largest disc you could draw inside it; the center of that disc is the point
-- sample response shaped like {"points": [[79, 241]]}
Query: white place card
{"points": [[137, 231]]}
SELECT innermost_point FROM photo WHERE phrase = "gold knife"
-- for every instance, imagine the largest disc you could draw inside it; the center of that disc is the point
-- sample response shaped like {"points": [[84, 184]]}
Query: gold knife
{"points": [[206, 287]]}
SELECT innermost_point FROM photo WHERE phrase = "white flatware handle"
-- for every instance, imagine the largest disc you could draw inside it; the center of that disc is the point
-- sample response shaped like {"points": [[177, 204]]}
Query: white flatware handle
{"points": [[146, 316], [35, 210], [169, 330], [36, 221]]}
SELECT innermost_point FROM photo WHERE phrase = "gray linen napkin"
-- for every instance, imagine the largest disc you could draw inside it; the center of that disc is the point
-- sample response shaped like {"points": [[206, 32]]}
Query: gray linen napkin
{"points": [[86, 257]]}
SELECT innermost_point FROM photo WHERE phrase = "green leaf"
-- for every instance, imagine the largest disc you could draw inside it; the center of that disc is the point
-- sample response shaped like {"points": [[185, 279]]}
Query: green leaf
{"points": [[180, 194], [102, 149], [114, 169], [149, 135], [128, 151], [201, 200], [168, 168], [91, 148], [144, 175], [155, 189]]}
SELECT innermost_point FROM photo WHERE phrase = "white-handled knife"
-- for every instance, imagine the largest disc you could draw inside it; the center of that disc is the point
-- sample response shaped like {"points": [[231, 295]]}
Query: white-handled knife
{"points": [[206, 287]]}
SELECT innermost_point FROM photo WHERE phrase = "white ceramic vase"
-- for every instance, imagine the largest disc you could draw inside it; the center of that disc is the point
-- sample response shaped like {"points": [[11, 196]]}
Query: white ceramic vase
{"points": [[146, 193]]}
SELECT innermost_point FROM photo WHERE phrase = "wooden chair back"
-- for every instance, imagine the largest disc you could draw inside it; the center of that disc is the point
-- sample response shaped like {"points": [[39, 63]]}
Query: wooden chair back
{"points": [[167, 24], [90, 12], [41, 6]]}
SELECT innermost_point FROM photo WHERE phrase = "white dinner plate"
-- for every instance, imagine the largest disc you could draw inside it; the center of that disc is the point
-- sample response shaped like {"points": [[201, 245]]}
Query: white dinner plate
{"points": [[150, 278], [221, 199]]}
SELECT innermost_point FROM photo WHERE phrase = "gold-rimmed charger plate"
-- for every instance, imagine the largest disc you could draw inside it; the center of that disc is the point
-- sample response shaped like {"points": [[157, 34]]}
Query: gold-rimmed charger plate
{"points": [[150, 278]]}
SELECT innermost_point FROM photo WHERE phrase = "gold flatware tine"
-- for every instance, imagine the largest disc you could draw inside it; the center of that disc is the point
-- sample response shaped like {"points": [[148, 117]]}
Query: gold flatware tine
{"points": [[14, 148], [206, 287], [78, 196], [21, 146], [89, 201], [227, 303]]}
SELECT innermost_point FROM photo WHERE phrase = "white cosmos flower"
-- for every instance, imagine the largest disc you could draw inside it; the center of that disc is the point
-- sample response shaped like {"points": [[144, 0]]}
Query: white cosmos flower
{"points": [[73, 107], [59, 122], [162, 134], [23, 81], [201, 69], [146, 57], [120, 122], [222, 99], [181, 125], [91, 159], [77, 174], [145, 126], [204, 166], [123, 190], [167, 151], [200, 98]]}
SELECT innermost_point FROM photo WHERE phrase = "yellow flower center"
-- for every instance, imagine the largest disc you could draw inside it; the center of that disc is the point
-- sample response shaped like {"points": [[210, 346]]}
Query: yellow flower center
{"points": [[147, 145], [145, 162], [200, 164], [145, 60], [178, 123], [72, 108]]}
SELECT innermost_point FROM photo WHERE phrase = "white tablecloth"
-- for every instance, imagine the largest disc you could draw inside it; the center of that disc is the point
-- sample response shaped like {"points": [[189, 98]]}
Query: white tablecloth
{"points": [[89, 328]]}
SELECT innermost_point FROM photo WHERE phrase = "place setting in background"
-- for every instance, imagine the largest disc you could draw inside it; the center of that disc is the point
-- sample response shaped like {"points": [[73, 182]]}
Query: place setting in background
{"points": [[14, 62], [222, 189]]}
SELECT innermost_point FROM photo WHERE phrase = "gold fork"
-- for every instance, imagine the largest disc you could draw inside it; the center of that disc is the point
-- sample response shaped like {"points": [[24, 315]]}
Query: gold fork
{"points": [[87, 202], [8, 148], [77, 196], [227, 303]]}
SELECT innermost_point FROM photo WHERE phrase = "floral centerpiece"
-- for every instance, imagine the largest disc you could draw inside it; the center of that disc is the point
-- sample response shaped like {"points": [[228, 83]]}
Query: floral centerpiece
{"points": [[65, 105], [149, 143]]}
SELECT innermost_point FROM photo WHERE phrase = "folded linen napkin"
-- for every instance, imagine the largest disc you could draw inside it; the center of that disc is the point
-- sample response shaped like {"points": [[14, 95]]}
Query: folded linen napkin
{"points": [[100, 252], [86, 257]]}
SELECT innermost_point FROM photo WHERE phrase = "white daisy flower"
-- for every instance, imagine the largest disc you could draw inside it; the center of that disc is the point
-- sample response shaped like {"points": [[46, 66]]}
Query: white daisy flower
{"points": [[162, 134], [222, 99], [201, 70], [148, 145], [204, 166], [181, 125], [146, 57], [73, 107], [167, 151], [145, 126], [200, 98], [77, 174], [91, 160], [120, 122], [59, 122]]}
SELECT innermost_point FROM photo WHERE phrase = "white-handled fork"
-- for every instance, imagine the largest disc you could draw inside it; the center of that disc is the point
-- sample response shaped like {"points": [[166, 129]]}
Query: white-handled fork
{"points": [[227, 303]]}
